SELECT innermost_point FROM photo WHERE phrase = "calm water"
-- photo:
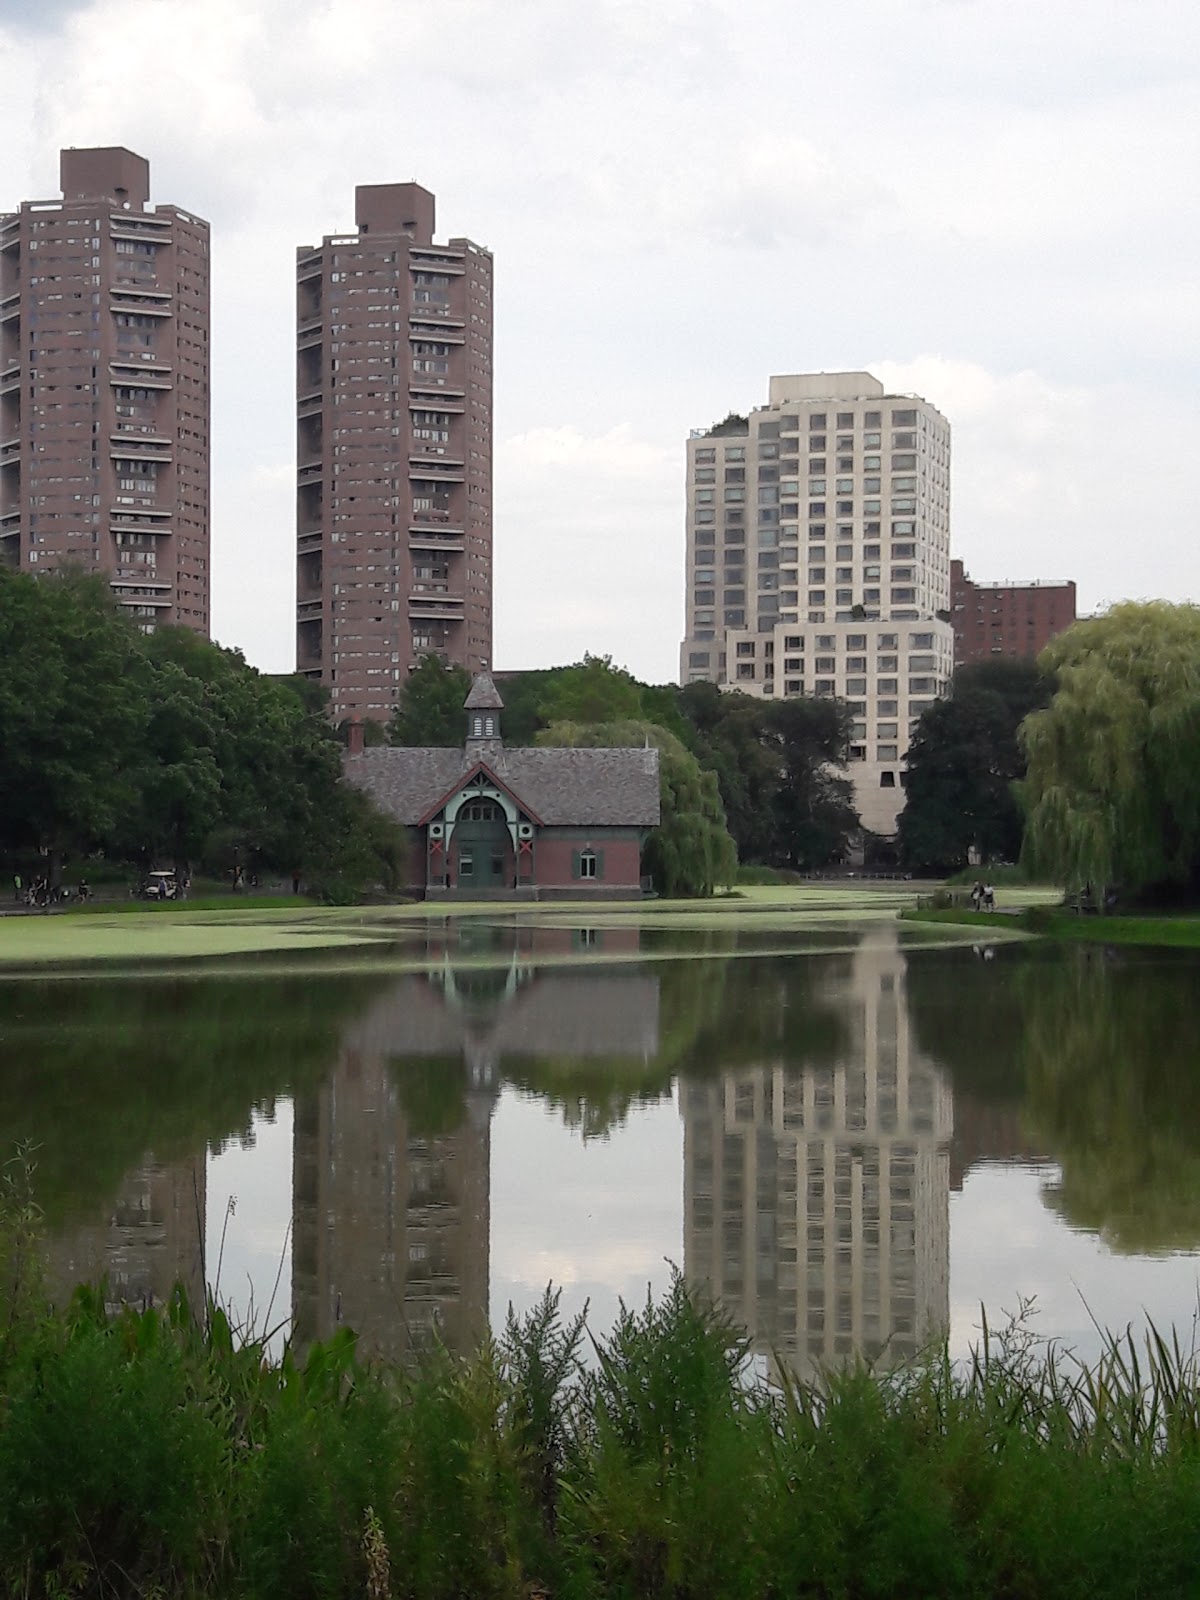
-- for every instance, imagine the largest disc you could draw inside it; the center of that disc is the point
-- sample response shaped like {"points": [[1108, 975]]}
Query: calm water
{"points": [[853, 1148]]}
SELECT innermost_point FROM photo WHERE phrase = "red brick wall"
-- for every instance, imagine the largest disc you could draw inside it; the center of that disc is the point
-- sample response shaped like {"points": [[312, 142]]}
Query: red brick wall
{"points": [[1013, 620], [554, 857]]}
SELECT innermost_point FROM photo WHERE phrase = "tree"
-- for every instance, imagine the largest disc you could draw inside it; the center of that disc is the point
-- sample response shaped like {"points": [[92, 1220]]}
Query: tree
{"points": [[72, 696], [777, 764], [691, 850], [592, 690], [1112, 794], [963, 763], [813, 809], [430, 712]]}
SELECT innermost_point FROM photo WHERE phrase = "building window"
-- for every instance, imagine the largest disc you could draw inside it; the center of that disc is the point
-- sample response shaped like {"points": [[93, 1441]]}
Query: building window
{"points": [[589, 864]]}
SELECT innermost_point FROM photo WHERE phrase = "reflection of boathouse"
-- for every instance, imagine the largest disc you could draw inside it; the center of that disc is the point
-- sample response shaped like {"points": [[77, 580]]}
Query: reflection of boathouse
{"points": [[150, 1238], [392, 1153], [816, 1198]]}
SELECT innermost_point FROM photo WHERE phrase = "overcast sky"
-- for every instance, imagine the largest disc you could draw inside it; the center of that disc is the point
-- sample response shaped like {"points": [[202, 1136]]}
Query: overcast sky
{"points": [[990, 202]]}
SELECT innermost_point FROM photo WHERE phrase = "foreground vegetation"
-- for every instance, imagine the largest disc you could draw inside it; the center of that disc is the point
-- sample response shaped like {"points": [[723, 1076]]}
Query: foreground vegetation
{"points": [[145, 1453]]}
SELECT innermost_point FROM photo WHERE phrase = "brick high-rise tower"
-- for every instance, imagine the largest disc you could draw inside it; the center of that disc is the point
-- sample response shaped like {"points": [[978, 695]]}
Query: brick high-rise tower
{"points": [[104, 391], [394, 452]]}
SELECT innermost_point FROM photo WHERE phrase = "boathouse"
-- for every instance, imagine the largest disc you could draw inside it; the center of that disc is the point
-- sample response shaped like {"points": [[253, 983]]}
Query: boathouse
{"points": [[486, 822]]}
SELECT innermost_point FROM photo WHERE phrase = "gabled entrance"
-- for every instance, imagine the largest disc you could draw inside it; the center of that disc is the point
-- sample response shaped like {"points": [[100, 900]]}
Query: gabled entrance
{"points": [[482, 846]]}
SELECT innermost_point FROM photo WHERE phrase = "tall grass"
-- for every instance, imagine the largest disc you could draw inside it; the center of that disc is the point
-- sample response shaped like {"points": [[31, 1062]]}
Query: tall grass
{"points": [[159, 1453]]}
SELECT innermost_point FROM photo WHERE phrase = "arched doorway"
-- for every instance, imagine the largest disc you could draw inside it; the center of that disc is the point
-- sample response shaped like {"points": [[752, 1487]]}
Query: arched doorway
{"points": [[482, 846]]}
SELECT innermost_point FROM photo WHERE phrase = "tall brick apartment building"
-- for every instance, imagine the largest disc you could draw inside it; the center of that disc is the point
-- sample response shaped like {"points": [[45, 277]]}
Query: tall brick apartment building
{"points": [[394, 452], [1006, 619], [104, 388]]}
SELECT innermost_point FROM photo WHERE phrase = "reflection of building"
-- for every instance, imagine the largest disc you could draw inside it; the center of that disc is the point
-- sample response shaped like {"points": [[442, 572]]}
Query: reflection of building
{"points": [[988, 1135], [392, 1153], [816, 1198], [151, 1239], [390, 1229]]}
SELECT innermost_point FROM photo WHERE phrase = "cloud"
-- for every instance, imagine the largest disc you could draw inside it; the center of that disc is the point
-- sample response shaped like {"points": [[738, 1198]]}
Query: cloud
{"points": [[684, 198], [38, 16]]}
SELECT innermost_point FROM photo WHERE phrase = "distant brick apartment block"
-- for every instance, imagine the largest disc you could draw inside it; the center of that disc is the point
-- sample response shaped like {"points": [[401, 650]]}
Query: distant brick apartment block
{"points": [[818, 562], [1006, 619], [104, 388], [394, 452]]}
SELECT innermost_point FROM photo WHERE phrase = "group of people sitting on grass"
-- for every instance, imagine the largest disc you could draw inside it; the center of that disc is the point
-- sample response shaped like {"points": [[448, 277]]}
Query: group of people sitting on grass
{"points": [[983, 897]]}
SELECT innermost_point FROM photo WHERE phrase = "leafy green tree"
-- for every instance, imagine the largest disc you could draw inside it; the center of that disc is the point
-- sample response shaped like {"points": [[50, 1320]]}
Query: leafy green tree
{"points": [[591, 691], [813, 809], [963, 764], [691, 850], [72, 698], [430, 712], [1112, 794], [777, 764]]}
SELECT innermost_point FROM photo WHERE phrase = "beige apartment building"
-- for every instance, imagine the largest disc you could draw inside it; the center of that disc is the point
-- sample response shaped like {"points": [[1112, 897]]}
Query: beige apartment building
{"points": [[817, 1194], [393, 452], [104, 388], [818, 562]]}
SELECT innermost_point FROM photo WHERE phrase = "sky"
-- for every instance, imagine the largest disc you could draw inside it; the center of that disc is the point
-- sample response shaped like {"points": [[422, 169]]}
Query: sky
{"points": [[992, 203]]}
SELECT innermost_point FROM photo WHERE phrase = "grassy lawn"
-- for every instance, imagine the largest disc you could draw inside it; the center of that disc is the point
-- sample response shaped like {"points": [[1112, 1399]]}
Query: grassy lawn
{"points": [[1181, 931], [806, 918]]}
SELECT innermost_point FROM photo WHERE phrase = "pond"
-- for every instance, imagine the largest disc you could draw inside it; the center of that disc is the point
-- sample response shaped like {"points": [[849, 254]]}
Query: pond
{"points": [[852, 1136]]}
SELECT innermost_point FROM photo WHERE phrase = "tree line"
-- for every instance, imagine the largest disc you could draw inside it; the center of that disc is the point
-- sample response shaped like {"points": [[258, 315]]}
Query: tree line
{"points": [[163, 748], [166, 748]]}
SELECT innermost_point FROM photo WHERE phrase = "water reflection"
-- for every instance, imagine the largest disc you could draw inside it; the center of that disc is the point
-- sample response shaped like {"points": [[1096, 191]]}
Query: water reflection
{"points": [[391, 1163], [816, 1197], [148, 1240], [837, 1112]]}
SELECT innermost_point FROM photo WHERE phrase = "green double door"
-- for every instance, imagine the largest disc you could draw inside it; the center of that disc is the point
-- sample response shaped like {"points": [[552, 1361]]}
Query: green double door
{"points": [[482, 849]]}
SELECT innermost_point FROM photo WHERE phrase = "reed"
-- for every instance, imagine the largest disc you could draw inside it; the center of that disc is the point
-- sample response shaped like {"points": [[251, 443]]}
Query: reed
{"points": [[162, 1453]]}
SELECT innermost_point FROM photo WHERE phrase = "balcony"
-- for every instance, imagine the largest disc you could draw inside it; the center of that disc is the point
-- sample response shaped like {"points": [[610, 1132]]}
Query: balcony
{"points": [[9, 449], [10, 378], [437, 539], [309, 607], [309, 405], [433, 606], [143, 377], [310, 538], [309, 335], [157, 450], [309, 472]]}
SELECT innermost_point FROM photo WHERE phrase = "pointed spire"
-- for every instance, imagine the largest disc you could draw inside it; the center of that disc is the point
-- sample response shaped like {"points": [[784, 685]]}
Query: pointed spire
{"points": [[483, 694]]}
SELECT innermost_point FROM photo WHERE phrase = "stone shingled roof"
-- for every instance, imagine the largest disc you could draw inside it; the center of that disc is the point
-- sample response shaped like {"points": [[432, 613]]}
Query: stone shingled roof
{"points": [[483, 694], [564, 787]]}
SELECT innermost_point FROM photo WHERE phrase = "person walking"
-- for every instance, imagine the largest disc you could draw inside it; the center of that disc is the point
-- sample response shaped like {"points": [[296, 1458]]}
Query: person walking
{"points": [[17, 887], [989, 897]]}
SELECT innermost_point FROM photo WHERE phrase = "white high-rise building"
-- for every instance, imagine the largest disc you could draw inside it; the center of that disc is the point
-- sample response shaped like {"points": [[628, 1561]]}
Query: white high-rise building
{"points": [[818, 562]]}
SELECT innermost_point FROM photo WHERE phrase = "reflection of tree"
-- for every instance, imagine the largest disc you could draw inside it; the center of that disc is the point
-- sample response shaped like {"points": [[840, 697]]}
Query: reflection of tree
{"points": [[98, 1073], [1110, 1062], [1099, 1057], [968, 1014]]}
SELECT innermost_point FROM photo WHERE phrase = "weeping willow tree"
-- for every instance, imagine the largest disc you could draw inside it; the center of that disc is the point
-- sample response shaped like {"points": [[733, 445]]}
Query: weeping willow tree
{"points": [[691, 850], [1112, 793]]}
